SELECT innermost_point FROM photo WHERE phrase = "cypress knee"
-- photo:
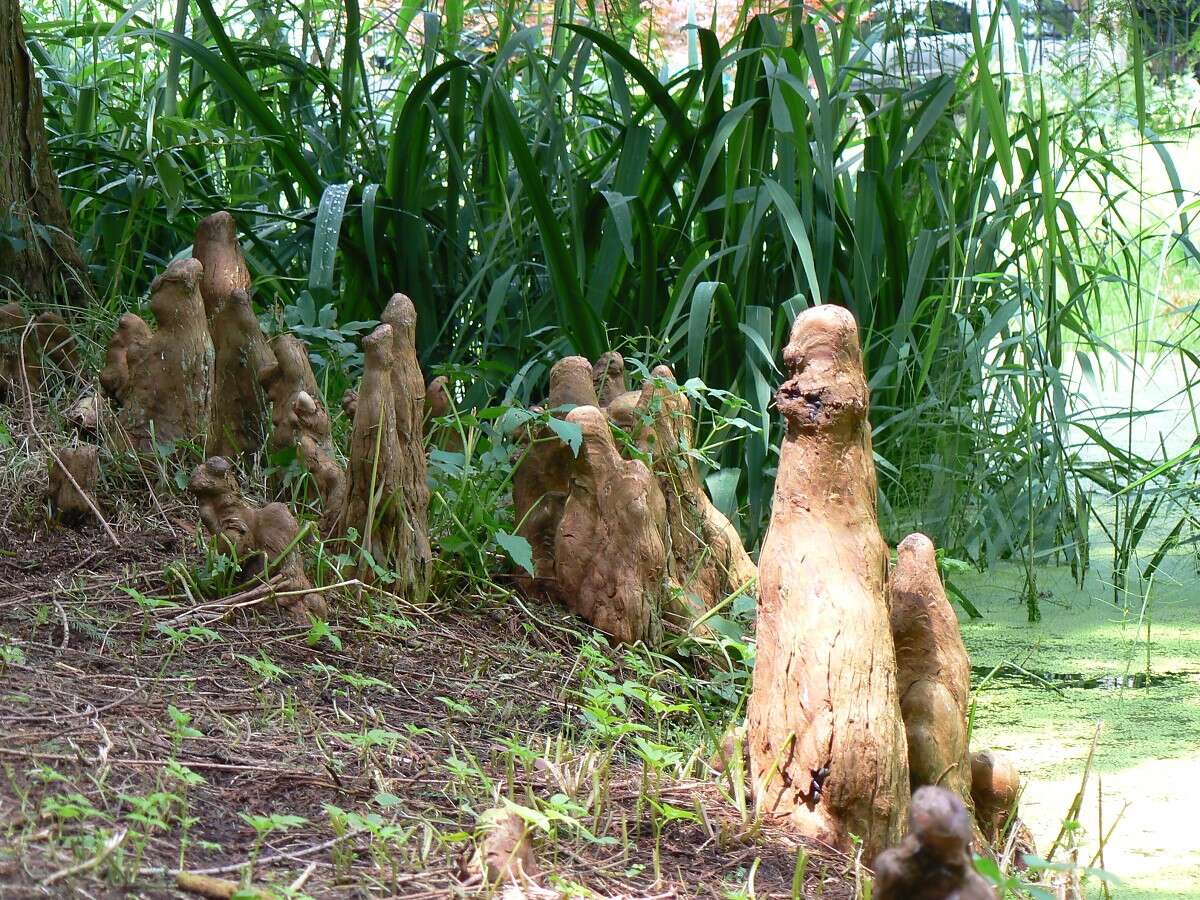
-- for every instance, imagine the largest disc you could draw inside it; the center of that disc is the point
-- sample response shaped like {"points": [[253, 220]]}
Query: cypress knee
{"points": [[610, 562], [933, 862], [240, 410], [216, 246], [933, 672], [167, 391], [827, 744], [705, 553], [541, 479]]}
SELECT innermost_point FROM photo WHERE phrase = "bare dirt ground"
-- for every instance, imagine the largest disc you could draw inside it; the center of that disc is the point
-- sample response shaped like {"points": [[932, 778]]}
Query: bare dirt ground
{"points": [[141, 735]]}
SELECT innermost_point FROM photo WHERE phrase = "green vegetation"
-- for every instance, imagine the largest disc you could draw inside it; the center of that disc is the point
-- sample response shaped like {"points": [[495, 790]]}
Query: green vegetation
{"points": [[544, 193], [1015, 241]]}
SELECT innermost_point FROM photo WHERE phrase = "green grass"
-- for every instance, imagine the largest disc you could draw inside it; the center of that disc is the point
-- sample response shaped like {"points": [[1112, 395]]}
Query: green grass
{"points": [[543, 194]]}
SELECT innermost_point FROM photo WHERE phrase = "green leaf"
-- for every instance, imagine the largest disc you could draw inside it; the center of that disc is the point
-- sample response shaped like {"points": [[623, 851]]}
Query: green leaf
{"points": [[577, 319], [235, 84], [326, 231], [518, 550], [997, 121], [568, 432]]}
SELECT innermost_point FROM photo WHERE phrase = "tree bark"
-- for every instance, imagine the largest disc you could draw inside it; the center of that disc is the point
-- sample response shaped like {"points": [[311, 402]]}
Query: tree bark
{"points": [[827, 743], [38, 254]]}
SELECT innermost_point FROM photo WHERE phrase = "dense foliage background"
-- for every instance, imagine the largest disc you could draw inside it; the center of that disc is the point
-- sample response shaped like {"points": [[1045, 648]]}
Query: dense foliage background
{"points": [[540, 188]]}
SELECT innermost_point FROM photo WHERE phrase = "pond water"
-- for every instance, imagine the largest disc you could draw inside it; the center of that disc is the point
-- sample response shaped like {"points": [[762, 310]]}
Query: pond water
{"points": [[1134, 674]]}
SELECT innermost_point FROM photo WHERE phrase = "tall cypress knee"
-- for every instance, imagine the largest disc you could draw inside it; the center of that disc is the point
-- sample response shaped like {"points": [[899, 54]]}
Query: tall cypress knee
{"points": [[827, 743]]}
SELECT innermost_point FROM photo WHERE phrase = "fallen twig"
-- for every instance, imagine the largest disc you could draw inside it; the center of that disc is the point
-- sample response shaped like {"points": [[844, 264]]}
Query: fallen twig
{"points": [[87, 865], [261, 861]]}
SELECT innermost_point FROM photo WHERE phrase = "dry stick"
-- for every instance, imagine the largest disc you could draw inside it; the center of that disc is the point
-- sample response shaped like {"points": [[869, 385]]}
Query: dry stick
{"points": [[1077, 803], [302, 879], [113, 843], [46, 445], [1100, 828], [261, 861], [213, 888], [1106, 837]]}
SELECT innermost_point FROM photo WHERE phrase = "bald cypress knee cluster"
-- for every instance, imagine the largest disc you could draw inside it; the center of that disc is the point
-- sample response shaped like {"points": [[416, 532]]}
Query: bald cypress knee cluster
{"points": [[622, 532], [862, 681], [826, 737], [207, 374]]}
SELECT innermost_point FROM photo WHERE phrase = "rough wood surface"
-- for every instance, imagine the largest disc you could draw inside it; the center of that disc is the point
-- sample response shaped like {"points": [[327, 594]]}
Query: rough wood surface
{"points": [[541, 478], [827, 742], [284, 378], [610, 562], [169, 384], [414, 557], [132, 334], [995, 788], [438, 405], [67, 501], [20, 353], [608, 377], [504, 852], [45, 262], [240, 411], [57, 342], [28, 348], [933, 671], [315, 451], [706, 556], [933, 862], [262, 539], [217, 247], [387, 497]]}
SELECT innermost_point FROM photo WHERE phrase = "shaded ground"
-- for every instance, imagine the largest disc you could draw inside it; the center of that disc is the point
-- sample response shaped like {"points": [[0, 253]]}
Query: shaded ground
{"points": [[1147, 759], [202, 738]]}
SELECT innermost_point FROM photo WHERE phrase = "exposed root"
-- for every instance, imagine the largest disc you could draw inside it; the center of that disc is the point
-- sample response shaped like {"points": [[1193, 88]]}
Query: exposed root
{"points": [[262, 539]]}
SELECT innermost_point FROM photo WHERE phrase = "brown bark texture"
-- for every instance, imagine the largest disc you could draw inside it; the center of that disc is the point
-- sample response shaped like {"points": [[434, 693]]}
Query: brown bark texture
{"points": [[414, 559], [217, 247], [541, 479], [262, 539], [58, 343], [933, 671], [132, 334], [285, 376], [608, 377], [504, 852], [933, 862], [995, 788], [240, 412], [827, 743], [438, 405], [27, 347], [706, 556], [610, 562], [299, 419], [316, 455], [165, 382], [68, 503], [38, 256], [387, 497]]}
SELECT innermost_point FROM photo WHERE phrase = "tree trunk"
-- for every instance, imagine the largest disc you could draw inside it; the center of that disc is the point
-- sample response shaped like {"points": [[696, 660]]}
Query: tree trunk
{"points": [[38, 254]]}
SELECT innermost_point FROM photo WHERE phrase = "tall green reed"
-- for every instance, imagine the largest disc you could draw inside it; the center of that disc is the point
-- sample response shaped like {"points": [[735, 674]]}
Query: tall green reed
{"points": [[541, 191]]}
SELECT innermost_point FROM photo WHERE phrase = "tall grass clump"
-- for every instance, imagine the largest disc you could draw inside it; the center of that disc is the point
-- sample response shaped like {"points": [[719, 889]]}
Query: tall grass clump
{"points": [[543, 189]]}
